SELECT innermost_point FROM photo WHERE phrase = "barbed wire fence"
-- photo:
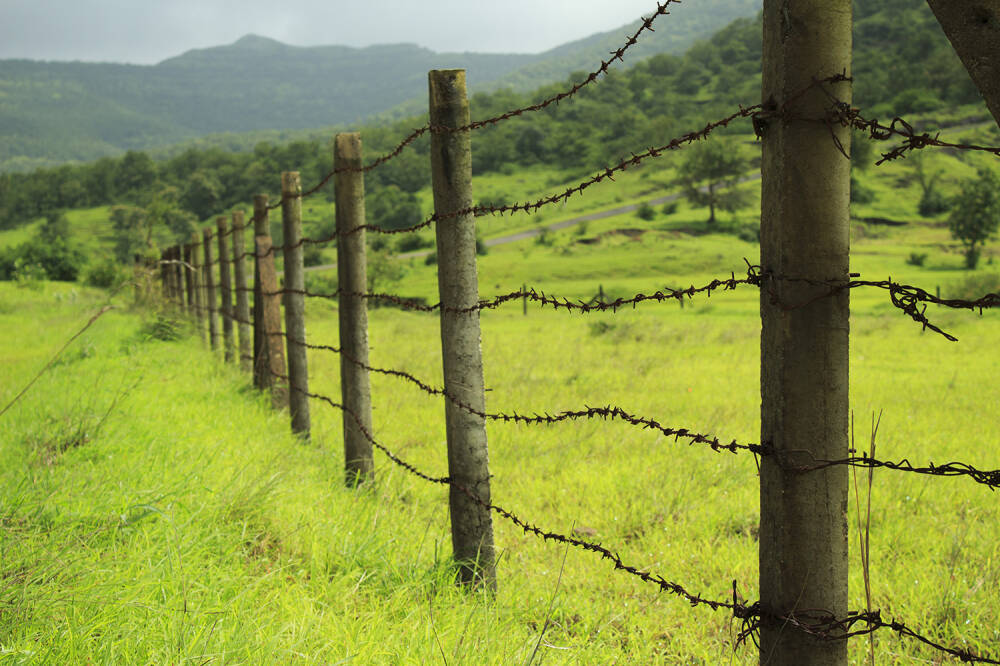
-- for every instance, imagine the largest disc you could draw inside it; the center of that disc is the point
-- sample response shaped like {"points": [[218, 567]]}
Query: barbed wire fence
{"points": [[266, 339]]}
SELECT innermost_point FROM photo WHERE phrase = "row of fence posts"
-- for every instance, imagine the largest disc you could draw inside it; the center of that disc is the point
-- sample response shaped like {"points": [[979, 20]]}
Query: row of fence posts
{"points": [[252, 336], [805, 185]]}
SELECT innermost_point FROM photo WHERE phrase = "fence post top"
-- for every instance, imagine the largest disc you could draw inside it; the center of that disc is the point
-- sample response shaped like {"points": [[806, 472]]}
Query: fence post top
{"points": [[447, 87], [347, 145], [207, 232], [237, 219], [290, 180]]}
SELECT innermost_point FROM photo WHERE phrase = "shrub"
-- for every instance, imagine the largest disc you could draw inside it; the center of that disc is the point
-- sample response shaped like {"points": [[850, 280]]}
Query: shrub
{"points": [[861, 194], [312, 255], [481, 248], [431, 259], [932, 203], [670, 207], [916, 258], [106, 274], [645, 212], [412, 242]]}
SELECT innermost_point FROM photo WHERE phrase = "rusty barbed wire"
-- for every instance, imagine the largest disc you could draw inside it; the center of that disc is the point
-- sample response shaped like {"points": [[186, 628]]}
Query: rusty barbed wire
{"points": [[820, 624]]}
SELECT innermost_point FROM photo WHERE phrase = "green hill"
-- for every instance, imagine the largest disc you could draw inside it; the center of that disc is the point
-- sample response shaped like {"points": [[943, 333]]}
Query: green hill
{"points": [[53, 112]]}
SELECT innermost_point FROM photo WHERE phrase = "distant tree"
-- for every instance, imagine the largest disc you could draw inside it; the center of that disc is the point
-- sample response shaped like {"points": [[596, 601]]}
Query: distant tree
{"points": [[164, 212], [709, 175], [202, 194], [392, 208], [132, 232], [975, 216], [135, 173]]}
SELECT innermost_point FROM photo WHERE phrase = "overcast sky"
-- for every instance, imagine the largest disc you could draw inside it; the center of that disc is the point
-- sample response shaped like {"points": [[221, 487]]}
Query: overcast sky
{"points": [[148, 31]]}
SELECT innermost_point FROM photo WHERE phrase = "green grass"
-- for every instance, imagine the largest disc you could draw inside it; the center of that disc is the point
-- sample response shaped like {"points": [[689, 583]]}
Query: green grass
{"points": [[153, 509]]}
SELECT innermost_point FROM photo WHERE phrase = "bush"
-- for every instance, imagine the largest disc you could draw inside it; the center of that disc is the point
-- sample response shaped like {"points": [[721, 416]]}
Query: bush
{"points": [[106, 274], [933, 203], [670, 207], [916, 258], [861, 194], [481, 248], [412, 242], [645, 212], [312, 255], [431, 259], [162, 326]]}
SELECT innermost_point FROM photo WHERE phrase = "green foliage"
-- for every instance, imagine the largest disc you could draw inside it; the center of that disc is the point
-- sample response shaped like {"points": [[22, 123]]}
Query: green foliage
{"points": [[163, 326], [412, 242], [933, 203], [975, 286], [975, 215], [393, 208], [105, 273], [51, 254], [645, 212], [861, 193], [916, 258], [312, 255], [709, 173], [384, 271]]}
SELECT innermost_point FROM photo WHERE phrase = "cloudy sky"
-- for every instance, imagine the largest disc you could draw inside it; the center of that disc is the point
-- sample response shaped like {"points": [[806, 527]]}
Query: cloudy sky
{"points": [[147, 31]]}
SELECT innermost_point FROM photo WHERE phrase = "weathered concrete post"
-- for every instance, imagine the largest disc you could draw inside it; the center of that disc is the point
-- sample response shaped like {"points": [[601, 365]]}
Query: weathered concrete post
{"points": [[199, 296], [178, 269], [225, 288], [804, 340], [458, 286], [295, 303], [269, 354], [349, 188], [242, 292], [973, 28], [211, 302], [189, 279]]}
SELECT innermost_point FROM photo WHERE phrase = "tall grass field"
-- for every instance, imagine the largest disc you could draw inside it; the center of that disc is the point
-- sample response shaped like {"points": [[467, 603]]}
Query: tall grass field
{"points": [[155, 509]]}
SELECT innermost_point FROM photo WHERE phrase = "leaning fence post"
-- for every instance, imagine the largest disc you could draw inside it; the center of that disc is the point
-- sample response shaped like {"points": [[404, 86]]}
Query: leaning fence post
{"points": [[225, 288], [295, 302], [349, 188], [210, 299], [804, 338], [468, 457], [269, 355], [199, 297], [242, 296]]}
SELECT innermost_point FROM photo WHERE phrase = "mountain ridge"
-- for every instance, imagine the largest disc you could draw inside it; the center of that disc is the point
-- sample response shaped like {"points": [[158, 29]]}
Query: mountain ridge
{"points": [[56, 112]]}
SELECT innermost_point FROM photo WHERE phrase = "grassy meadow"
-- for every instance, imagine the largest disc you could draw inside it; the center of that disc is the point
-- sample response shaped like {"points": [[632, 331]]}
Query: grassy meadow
{"points": [[154, 509]]}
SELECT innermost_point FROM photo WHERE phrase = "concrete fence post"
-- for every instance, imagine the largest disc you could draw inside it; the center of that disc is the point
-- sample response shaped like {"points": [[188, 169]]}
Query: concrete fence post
{"points": [[804, 348], [211, 302], [225, 289], [189, 279], [269, 354], [199, 296], [241, 288], [468, 457], [349, 188], [178, 269], [295, 302]]}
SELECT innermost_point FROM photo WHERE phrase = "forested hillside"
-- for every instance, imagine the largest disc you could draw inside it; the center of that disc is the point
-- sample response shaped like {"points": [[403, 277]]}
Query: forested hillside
{"points": [[903, 65], [55, 112]]}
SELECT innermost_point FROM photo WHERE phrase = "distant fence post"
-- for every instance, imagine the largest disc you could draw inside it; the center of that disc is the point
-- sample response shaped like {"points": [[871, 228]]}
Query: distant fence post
{"points": [[349, 188], [295, 302], [164, 283], [178, 268], [225, 288], [199, 297], [241, 288], [269, 355], [468, 457], [188, 278], [210, 299], [804, 337]]}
